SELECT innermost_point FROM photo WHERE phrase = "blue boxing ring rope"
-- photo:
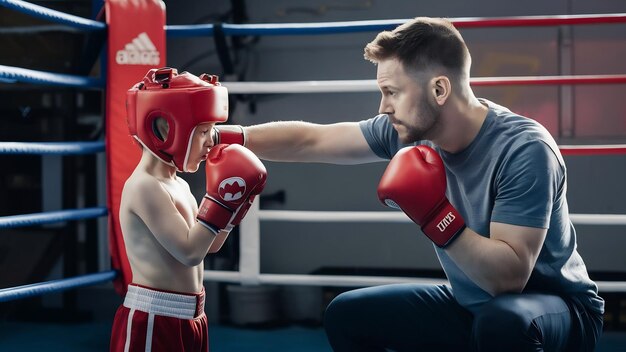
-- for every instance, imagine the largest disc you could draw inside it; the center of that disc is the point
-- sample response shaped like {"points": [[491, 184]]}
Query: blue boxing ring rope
{"points": [[25, 291], [57, 148], [11, 75], [53, 16], [249, 265], [51, 217], [51, 148]]}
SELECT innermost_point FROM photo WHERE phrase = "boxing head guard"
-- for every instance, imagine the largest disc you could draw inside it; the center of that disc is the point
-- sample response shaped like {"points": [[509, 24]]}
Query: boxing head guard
{"points": [[182, 102]]}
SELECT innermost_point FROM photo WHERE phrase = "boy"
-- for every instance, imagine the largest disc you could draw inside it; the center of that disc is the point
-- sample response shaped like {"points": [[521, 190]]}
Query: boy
{"points": [[172, 116]]}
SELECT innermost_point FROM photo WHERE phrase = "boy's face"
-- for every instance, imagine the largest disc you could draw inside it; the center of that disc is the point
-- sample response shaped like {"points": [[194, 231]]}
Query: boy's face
{"points": [[201, 142]]}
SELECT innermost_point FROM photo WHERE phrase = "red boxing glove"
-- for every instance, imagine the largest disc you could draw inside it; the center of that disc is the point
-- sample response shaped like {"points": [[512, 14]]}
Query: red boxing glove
{"points": [[415, 182], [229, 134], [234, 177]]}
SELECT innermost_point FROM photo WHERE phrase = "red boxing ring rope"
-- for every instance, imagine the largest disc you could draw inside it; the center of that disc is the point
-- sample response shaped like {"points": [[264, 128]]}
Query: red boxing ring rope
{"points": [[613, 149], [547, 80], [537, 21]]}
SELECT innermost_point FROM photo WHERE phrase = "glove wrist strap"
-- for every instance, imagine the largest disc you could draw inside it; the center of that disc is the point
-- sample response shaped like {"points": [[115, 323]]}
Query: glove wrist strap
{"points": [[209, 227], [444, 226], [226, 135], [214, 213]]}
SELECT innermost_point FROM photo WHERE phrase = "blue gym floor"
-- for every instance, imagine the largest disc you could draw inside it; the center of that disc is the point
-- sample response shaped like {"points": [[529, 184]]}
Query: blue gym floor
{"points": [[24, 337], [93, 335]]}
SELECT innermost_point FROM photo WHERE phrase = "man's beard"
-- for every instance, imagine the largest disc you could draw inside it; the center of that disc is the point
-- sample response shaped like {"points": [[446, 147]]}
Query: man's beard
{"points": [[429, 114]]}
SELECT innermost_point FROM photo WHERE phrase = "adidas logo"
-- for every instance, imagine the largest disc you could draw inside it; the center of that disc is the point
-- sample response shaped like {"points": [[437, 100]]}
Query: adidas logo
{"points": [[140, 51]]}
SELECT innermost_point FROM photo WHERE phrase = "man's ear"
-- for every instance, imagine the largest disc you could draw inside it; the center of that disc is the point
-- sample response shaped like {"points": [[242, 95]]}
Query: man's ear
{"points": [[441, 89]]}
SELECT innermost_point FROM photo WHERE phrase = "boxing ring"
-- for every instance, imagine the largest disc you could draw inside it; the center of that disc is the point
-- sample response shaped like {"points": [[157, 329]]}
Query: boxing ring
{"points": [[249, 272]]}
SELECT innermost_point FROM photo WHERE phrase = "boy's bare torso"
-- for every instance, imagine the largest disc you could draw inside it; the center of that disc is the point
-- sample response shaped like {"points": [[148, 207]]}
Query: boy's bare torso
{"points": [[152, 265]]}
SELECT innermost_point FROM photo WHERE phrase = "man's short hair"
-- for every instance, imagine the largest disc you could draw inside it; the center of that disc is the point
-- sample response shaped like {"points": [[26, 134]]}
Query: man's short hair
{"points": [[422, 43]]}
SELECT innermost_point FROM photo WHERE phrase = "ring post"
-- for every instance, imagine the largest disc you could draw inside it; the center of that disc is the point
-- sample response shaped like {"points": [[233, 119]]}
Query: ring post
{"points": [[249, 247]]}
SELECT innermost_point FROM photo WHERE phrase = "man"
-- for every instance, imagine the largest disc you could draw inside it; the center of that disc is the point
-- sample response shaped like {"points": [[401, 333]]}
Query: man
{"points": [[486, 185], [172, 116]]}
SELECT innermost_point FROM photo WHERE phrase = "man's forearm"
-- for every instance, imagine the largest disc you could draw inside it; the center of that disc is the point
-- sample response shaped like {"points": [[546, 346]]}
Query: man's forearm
{"points": [[492, 264], [282, 141]]}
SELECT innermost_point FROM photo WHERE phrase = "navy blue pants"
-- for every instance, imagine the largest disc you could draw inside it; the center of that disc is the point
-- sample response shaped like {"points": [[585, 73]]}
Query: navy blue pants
{"points": [[414, 317]]}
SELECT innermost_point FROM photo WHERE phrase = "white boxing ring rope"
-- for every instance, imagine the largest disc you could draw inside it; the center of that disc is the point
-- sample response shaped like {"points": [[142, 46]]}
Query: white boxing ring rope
{"points": [[369, 85], [398, 217], [249, 262]]}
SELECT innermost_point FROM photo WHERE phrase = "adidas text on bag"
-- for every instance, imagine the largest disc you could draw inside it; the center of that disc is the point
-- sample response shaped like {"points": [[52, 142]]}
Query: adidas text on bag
{"points": [[140, 51]]}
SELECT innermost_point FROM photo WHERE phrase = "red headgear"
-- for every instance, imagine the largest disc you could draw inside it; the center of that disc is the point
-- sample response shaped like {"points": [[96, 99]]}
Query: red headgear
{"points": [[184, 101]]}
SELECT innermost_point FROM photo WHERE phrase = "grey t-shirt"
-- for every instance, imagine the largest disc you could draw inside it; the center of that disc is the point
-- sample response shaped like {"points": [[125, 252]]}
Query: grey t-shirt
{"points": [[512, 173]]}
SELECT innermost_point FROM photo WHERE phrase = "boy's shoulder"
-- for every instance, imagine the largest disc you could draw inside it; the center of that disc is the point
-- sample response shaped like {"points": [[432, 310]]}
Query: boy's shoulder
{"points": [[142, 185], [140, 179]]}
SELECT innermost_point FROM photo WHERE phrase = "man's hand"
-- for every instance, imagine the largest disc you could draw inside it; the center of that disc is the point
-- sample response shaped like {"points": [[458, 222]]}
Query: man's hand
{"points": [[415, 182]]}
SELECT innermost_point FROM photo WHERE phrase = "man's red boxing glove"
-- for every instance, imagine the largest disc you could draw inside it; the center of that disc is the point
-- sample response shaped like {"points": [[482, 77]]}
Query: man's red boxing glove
{"points": [[415, 182], [229, 134], [234, 177]]}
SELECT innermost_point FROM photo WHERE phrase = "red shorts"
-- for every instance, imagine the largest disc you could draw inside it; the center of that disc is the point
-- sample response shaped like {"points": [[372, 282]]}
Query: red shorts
{"points": [[154, 320]]}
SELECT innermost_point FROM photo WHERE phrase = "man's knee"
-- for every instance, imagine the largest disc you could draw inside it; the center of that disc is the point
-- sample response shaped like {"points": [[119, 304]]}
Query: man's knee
{"points": [[501, 323], [339, 312], [501, 314], [345, 325]]}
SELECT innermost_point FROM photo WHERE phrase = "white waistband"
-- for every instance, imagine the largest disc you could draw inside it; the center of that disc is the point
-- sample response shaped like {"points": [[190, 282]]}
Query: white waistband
{"points": [[161, 303]]}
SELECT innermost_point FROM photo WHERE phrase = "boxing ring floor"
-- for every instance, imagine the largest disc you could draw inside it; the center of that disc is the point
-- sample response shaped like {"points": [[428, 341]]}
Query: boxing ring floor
{"points": [[94, 336]]}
